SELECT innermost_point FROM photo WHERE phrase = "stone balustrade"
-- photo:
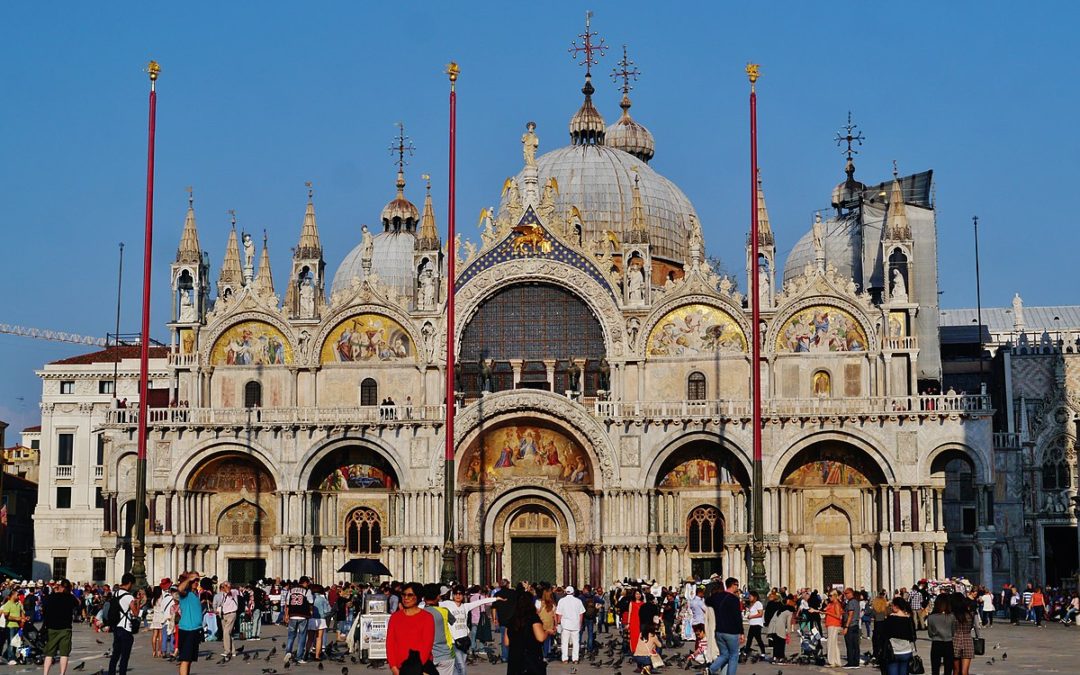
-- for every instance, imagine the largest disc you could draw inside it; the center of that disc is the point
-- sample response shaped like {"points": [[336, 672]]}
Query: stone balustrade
{"points": [[921, 405], [269, 417], [798, 407]]}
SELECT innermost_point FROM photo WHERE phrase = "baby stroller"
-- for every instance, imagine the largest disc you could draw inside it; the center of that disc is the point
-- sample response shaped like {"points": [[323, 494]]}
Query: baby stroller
{"points": [[32, 650], [811, 650]]}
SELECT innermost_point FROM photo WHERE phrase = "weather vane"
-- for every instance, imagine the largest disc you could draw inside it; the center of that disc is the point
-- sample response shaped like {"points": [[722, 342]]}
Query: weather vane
{"points": [[851, 136], [592, 51], [232, 217], [402, 145], [626, 71], [190, 196], [310, 189]]}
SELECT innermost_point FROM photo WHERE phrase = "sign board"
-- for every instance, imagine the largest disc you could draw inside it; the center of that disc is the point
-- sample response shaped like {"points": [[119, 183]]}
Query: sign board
{"points": [[373, 634]]}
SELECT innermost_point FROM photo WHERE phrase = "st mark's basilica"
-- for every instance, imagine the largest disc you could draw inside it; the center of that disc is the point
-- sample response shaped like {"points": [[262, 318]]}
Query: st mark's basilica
{"points": [[603, 377]]}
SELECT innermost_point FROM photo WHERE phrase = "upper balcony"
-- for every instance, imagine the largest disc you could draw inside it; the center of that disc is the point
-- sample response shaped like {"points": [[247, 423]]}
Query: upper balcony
{"points": [[221, 418], [637, 411], [735, 409]]}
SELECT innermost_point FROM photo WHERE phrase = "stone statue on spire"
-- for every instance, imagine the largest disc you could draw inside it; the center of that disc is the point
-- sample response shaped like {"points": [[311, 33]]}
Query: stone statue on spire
{"points": [[529, 144]]}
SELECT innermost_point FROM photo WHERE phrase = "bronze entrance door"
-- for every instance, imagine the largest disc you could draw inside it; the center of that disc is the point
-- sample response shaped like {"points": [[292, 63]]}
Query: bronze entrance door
{"points": [[532, 559], [832, 571], [244, 570], [534, 536]]}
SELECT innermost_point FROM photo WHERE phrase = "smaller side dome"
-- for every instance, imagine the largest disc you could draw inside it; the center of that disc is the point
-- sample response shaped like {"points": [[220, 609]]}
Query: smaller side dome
{"points": [[400, 215], [629, 136], [587, 124]]}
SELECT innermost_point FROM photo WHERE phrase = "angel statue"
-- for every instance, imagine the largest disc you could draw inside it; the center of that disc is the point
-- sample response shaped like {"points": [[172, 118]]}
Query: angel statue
{"points": [[486, 224]]}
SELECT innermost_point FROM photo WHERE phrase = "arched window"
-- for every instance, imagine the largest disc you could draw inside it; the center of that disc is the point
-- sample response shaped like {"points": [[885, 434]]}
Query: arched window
{"points": [[534, 323], [363, 532], [369, 392], [695, 387], [1055, 470], [705, 530], [253, 395]]}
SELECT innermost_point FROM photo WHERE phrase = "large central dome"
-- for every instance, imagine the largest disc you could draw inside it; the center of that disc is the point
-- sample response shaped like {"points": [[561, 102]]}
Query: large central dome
{"points": [[599, 180]]}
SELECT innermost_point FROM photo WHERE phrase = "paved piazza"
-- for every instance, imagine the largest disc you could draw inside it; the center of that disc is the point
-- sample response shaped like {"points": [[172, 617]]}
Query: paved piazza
{"points": [[1054, 649]]}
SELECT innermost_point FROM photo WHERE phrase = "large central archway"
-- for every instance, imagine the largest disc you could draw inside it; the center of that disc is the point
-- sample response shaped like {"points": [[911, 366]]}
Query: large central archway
{"points": [[238, 495], [828, 499]]}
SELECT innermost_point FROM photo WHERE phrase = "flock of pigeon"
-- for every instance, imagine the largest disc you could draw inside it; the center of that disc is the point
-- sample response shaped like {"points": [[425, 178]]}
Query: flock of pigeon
{"points": [[603, 655]]}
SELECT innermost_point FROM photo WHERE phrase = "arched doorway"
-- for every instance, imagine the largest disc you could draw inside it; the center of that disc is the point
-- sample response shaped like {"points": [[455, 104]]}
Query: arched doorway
{"points": [[235, 495], [829, 497], [702, 494], [350, 493], [533, 533], [959, 511]]}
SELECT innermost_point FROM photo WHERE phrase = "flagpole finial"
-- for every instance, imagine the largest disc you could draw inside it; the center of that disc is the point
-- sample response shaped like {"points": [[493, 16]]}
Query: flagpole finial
{"points": [[753, 71], [154, 69], [452, 71]]}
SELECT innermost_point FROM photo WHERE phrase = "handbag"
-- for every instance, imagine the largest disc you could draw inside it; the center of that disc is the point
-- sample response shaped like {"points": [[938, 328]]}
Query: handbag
{"points": [[462, 643], [915, 665], [979, 645], [657, 660]]}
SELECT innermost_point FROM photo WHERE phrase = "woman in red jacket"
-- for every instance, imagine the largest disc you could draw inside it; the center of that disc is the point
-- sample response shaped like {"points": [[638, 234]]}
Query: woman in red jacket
{"points": [[410, 633]]}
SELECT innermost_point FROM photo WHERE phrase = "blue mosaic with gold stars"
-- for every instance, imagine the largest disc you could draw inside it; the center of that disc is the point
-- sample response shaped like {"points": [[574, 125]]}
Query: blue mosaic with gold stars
{"points": [[504, 252]]}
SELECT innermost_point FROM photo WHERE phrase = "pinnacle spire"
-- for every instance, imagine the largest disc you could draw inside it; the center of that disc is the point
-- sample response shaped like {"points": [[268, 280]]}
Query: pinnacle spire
{"points": [[232, 274], [309, 246], [896, 222], [429, 235], [765, 235], [189, 250], [264, 280], [639, 226]]}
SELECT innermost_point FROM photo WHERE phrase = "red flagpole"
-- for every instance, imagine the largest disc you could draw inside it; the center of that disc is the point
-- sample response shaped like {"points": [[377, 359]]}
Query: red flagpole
{"points": [[138, 544], [757, 570], [449, 571]]}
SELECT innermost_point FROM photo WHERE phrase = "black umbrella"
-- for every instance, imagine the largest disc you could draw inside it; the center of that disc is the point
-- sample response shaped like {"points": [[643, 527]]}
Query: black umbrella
{"points": [[365, 566]]}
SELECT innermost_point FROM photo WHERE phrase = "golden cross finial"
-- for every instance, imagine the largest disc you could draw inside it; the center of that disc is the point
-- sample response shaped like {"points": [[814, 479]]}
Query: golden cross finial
{"points": [[427, 178], [310, 190], [626, 71], [753, 71]]}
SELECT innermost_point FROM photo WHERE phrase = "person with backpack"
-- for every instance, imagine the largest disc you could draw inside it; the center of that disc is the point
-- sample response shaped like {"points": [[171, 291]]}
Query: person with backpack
{"points": [[121, 619], [298, 601]]}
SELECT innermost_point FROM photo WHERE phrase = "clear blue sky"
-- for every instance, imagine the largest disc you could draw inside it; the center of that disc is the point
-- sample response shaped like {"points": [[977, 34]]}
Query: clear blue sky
{"points": [[257, 98]]}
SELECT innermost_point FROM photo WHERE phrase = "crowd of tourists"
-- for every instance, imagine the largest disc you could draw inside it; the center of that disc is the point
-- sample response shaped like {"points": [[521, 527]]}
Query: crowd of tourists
{"points": [[710, 626]]}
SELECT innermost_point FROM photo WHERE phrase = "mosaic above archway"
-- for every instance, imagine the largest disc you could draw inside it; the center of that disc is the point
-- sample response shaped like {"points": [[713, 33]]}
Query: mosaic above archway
{"points": [[694, 330], [821, 329], [529, 452], [698, 473], [251, 343], [358, 477], [831, 466], [233, 474], [367, 337]]}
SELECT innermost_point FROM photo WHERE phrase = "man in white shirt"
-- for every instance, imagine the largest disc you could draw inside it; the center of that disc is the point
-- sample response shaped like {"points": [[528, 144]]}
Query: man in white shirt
{"points": [[697, 607], [227, 605], [568, 614]]}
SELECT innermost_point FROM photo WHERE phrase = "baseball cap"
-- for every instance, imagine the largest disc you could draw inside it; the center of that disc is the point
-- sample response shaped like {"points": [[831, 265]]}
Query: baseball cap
{"points": [[569, 590]]}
